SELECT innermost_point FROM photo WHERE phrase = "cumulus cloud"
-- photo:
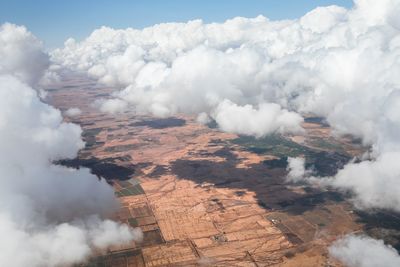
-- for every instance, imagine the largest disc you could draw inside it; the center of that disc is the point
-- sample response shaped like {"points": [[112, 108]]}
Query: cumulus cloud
{"points": [[203, 118], [246, 120], [187, 74], [314, 64], [362, 251], [372, 183], [112, 106], [255, 76], [21, 54], [49, 215], [375, 184], [73, 112], [296, 169]]}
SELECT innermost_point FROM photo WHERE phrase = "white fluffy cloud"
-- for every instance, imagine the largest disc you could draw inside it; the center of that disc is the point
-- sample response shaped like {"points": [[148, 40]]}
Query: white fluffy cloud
{"points": [[314, 64], [296, 168], [246, 120], [253, 75], [362, 251], [177, 67], [375, 184], [49, 215], [73, 112], [21, 54]]}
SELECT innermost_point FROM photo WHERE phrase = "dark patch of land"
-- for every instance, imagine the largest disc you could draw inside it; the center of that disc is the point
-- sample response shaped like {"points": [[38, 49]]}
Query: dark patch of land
{"points": [[118, 258], [160, 123], [105, 168], [382, 225], [158, 171], [121, 148], [317, 120], [270, 190], [275, 145], [323, 163]]}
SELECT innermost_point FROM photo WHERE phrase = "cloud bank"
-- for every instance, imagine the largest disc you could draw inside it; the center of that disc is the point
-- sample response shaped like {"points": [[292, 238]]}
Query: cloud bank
{"points": [[49, 215], [256, 76]]}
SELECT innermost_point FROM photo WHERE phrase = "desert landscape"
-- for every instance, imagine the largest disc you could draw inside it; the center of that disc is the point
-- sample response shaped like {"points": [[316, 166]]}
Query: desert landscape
{"points": [[203, 197], [200, 133]]}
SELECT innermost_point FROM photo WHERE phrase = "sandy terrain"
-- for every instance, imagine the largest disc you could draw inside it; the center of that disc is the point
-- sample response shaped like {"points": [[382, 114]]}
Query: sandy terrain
{"points": [[201, 197]]}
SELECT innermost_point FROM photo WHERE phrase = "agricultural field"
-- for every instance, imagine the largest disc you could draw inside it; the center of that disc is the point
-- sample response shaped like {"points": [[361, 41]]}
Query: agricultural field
{"points": [[206, 198]]}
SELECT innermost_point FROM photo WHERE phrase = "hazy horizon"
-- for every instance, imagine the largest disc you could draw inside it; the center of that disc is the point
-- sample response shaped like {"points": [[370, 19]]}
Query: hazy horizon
{"points": [[51, 21]]}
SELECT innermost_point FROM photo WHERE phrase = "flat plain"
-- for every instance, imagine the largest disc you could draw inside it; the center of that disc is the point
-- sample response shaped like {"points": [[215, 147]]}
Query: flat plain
{"points": [[203, 197]]}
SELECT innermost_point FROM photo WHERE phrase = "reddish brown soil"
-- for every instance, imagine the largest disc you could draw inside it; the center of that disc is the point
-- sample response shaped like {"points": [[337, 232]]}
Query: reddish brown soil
{"points": [[206, 201]]}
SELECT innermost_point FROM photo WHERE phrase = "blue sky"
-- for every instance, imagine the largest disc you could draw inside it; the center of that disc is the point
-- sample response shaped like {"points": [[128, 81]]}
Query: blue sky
{"points": [[54, 21]]}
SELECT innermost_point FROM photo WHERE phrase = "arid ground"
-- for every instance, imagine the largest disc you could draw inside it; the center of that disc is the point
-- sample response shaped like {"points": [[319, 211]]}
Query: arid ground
{"points": [[207, 198]]}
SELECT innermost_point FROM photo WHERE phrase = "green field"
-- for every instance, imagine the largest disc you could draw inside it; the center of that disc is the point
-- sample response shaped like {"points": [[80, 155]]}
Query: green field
{"points": [[129, 188], [275, 145], [325, 162]]}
